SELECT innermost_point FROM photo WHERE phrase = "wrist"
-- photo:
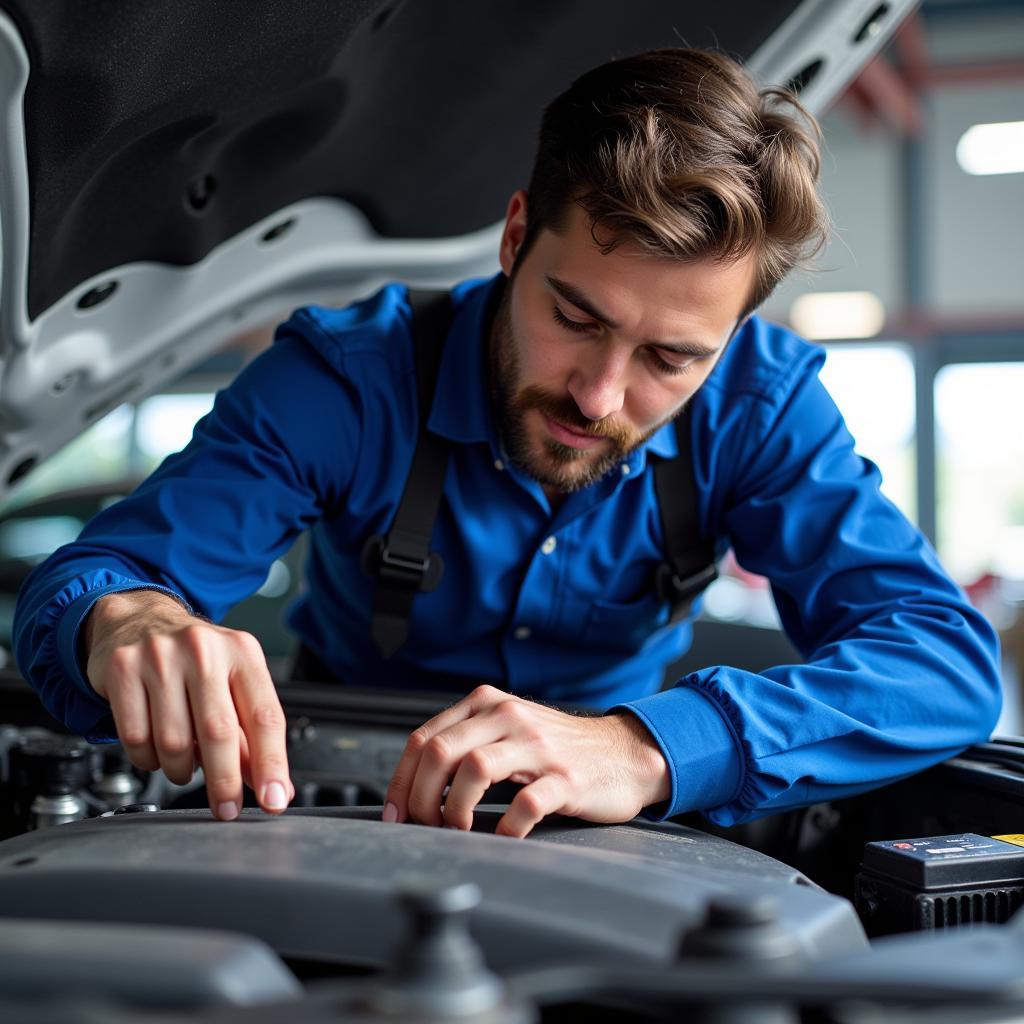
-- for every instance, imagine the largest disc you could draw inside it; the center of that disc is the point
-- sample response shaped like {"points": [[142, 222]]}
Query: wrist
{"points": [[645, 759], [123, 610]]}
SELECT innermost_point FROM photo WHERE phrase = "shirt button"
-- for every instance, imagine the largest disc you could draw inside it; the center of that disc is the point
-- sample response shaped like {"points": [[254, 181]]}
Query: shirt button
{"points": [[549, 545], [625, 469], [522, 632], [499, 465]]}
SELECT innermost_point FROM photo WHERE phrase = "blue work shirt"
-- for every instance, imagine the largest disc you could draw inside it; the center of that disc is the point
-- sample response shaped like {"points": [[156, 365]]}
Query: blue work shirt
{"points": [[318, 433]]}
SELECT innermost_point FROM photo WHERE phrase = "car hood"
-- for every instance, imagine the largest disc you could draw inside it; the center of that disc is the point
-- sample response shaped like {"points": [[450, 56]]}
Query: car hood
{"points": [[175, 172]]}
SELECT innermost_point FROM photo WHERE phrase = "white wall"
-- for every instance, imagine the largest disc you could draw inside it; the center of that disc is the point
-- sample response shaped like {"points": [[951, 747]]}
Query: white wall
{"points": [[974, 225]]}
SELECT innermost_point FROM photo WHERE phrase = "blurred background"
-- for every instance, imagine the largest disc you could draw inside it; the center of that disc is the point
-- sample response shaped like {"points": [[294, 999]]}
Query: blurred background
{"points": [[919, 301]]}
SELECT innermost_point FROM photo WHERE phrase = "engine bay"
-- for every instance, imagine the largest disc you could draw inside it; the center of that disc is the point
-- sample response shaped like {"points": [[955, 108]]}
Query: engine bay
{"points": [[150, 905]]}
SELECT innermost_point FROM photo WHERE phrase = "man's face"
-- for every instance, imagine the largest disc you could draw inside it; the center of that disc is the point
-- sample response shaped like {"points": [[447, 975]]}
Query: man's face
{"points": [[592, 353]]}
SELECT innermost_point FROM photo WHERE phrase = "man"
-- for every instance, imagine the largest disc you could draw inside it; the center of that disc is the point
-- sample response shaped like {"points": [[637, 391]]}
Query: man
{"points": [[667, 200]]}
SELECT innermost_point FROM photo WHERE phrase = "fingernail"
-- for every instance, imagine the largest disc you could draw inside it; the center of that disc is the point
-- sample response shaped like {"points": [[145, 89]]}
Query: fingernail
{"points": [[274, 796], [390, 813], [227, 811]]}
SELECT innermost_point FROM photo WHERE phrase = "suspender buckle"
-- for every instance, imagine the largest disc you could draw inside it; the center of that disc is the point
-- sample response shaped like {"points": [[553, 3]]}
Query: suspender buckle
{"points": [[399, 564], [406, 569], [681, 591]]}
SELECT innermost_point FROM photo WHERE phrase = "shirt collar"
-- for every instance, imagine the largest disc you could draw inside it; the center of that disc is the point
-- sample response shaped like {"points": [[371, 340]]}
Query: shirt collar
{"points": [[462, 401], [663, 442]]}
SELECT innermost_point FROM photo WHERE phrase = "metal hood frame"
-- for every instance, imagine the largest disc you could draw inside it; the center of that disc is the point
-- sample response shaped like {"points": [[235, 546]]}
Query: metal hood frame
{"points": [[177, 172]]}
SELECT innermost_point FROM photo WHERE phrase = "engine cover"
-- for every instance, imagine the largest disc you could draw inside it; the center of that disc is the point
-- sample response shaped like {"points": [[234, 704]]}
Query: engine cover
{"points": [[320, 884]]}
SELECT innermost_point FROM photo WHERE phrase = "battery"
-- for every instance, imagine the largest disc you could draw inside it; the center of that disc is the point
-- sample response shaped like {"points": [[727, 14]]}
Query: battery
{"points": [[939, 882]]}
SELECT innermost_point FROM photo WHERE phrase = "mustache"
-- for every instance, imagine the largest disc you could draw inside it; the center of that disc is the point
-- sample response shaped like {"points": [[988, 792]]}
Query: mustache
{"points": [[565, 411]]}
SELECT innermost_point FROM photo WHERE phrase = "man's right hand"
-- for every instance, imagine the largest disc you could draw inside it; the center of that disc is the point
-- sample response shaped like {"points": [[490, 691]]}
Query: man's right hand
{"points": [[181, 689]]}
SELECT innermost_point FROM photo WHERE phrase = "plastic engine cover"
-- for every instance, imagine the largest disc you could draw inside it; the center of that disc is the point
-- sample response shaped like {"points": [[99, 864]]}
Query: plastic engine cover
{"points": [[321, 884]]}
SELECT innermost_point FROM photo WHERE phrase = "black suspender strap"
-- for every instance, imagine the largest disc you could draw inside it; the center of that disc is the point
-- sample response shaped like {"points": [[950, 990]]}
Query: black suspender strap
{"points": [[402, 561], [690, 558]]}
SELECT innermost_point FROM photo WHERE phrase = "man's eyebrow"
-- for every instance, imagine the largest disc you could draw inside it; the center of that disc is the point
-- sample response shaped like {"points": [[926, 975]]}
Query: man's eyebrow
{"points": [[572, 294], [684, 348]]}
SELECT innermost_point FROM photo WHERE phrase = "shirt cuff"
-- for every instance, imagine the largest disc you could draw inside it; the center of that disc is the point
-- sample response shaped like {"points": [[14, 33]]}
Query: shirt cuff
{"points": [[71, 622], [703, 753]]}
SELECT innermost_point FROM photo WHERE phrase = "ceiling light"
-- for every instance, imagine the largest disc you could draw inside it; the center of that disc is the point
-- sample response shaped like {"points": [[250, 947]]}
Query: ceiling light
{"points": [[992, 148], [822, 315]]}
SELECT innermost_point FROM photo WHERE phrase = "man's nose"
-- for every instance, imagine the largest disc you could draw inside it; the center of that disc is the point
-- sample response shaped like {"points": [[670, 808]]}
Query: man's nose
{"points": [[599, 388]]}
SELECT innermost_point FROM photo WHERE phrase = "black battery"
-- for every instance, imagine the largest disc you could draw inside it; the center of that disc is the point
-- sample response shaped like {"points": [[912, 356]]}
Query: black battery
{"points": [[938, 882]]}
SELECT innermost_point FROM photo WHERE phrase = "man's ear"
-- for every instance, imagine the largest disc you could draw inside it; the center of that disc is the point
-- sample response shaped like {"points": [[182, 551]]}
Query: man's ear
{"points": [[515, 231]]}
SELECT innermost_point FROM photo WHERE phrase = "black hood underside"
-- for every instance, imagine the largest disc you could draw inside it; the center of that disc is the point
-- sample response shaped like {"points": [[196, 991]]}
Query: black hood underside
{"points": [[157, 130]]}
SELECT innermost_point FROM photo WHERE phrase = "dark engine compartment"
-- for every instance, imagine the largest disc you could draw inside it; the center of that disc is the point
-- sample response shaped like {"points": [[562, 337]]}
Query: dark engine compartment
{"points": [[150, 906]]}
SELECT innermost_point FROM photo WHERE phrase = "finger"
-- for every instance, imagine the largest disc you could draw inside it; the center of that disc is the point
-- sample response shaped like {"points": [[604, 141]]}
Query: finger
{"points": [[243, 745], [243, 749], [217, 736], [262, 720], [130, 708], [171, 723], [396, 806], [440, 760], [480, 769], [531, 804]]}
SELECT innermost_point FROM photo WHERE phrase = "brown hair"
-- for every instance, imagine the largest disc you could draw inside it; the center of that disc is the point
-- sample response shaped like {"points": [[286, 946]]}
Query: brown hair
{"points": [[681, 153]]}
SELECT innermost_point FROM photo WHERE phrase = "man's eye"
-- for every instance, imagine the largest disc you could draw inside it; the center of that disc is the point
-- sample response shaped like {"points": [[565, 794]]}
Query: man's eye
{"points": [[663, 365], [562, 320]]}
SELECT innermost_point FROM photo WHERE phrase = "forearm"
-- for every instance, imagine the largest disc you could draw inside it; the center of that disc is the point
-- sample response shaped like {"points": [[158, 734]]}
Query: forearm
{"points": [[891, 700], [900, 670]]}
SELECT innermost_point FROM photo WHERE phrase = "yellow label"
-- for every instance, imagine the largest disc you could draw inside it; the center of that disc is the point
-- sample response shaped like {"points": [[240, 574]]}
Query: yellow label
{"points": [[1017, 840]]}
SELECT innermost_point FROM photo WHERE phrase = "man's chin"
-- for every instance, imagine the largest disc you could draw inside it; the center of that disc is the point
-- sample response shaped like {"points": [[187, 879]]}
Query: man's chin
{"points": [[570, 469]]}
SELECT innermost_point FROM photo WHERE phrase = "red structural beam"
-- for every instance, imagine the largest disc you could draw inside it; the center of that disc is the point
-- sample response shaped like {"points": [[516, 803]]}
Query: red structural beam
{"points": [[912, 44], [975, 74], [891, 95], [884, 93]]}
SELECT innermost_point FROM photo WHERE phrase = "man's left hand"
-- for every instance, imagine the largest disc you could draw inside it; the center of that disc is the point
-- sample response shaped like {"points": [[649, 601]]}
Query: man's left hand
{"points": [[603, 769]]}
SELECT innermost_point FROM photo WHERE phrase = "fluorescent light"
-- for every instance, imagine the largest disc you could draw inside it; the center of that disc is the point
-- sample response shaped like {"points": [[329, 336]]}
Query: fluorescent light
{"points": [[992, 148], [821, 315]]}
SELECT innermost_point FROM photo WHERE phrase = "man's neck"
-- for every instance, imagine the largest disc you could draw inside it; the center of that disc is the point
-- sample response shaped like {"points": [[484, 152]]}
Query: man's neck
{"points": [[555, 497]]}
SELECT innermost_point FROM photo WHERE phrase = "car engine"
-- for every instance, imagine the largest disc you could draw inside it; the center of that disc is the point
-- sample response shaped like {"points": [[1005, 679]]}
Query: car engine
{"points": [[122, 895]]}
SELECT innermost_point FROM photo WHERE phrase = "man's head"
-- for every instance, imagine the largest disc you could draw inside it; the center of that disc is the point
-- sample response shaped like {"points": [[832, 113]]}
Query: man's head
{"points": [[668, 198]]}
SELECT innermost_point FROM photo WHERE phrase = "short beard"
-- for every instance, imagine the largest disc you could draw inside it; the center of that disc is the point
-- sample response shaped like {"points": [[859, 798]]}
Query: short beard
{"points": [[559, 466]]}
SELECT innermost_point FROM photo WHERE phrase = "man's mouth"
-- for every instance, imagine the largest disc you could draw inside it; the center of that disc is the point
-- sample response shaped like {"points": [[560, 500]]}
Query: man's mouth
{"points": [[571, 437]]}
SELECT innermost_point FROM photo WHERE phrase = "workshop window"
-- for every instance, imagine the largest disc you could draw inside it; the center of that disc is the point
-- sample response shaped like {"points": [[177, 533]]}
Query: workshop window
{"points": [[127, 444], [164, 423], [979, 424], [873, 385], [99, 455]]}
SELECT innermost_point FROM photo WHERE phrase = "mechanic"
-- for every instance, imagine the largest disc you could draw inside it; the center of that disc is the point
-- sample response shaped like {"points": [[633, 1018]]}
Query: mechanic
{"points": [[668, 198]]}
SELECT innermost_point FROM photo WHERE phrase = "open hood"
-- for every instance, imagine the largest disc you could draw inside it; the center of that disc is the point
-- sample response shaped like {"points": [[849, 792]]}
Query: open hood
{"points": [[175, 172]]}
